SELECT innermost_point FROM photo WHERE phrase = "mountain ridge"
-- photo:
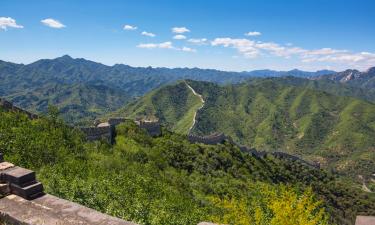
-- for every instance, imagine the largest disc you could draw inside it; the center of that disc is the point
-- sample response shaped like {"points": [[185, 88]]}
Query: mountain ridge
{"points": [[21, 82], [336, 131]]}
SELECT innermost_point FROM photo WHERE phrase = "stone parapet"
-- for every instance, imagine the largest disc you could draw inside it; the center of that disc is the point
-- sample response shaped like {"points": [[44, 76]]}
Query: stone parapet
{"points": [[213, 139], [10, 107], [22, 202], [50, 210], [153, 128]]}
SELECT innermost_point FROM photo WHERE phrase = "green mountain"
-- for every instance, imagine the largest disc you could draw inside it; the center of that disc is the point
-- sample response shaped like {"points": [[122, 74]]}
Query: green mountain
{"points": [[76, 102], [336, 131], [175, 105], [167, 180], [34, 85]]}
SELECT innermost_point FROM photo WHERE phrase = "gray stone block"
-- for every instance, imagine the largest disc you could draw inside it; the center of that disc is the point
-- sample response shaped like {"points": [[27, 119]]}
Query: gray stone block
{"points": [[29, 192], [4, 189], [19, 176]]}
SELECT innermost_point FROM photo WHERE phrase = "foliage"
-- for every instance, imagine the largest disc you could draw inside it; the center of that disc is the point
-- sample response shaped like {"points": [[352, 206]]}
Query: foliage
{"points": [[171, 103], [275, 205], [84, 89], [167, 180], [267, 115], [77, 103], [36, 143]]}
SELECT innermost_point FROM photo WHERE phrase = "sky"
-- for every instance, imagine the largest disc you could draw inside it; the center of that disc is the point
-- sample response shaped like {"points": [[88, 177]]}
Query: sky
{"points": [[233, 35]]}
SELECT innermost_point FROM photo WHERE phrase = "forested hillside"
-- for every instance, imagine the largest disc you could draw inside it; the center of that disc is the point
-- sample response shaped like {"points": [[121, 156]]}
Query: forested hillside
{"points": [[327, 85], [335, 131], [167, 180], [78, 103], [174, 105], [84, 89]]}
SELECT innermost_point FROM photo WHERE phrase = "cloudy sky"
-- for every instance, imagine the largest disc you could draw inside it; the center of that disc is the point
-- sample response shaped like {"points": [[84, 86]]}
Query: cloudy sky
{"points": [[228, 35]]}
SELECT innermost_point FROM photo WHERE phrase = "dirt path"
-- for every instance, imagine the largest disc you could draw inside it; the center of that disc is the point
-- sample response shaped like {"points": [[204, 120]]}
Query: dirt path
{"points": [[195, 113]]}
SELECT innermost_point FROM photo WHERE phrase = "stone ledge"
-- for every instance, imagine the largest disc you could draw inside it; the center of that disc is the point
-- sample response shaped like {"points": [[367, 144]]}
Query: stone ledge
{"points": [[5, 166], [365, 220], [50, 210]]}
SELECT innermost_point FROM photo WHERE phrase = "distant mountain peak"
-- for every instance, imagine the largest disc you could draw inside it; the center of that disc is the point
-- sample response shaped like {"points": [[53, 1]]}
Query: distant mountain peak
{"points": [[296, 70], [65, 57], [371, 70]]}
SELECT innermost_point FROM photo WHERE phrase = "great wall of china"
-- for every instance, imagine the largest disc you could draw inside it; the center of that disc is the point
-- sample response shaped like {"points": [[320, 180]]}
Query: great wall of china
{"points": [[23, 201], [9, 106], [217, 138], [107, 130]]}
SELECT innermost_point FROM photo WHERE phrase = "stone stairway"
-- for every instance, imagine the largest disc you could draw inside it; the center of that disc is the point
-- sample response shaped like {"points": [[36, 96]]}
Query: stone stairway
{"points": [[19, 181]]}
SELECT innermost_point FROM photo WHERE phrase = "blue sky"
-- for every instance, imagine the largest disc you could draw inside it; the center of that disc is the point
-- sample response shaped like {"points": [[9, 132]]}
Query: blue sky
{"points": [[228, 35]]}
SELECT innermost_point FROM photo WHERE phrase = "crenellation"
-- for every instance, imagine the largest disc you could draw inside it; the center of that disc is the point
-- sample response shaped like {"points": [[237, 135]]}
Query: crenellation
{"points": [[285, 155], [10, 107], [19, 181], [116, 121], [219, 138], [98, 133], [107, 130], [153, 128], [213, 139]]}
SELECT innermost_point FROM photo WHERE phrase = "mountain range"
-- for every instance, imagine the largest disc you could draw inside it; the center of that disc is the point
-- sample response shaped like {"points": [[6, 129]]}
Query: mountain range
{"points": [[34, 86], [325, 116]]}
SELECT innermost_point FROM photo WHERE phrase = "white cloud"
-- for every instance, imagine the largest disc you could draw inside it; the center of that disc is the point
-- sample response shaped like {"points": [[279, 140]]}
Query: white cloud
{"points": [[251, 49], [324, 51], [244, 46], [180, 30], [129, 27], [253, 33], [278, 50], [364, 57], [186, 49], [199, 41], [145, 33], [52, 23], [165, 45], [6, 22], [179, 37]]}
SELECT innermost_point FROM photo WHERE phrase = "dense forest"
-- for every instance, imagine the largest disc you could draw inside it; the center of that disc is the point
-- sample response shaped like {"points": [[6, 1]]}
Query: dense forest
{"points": [[167, 180], [336, 131]]}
